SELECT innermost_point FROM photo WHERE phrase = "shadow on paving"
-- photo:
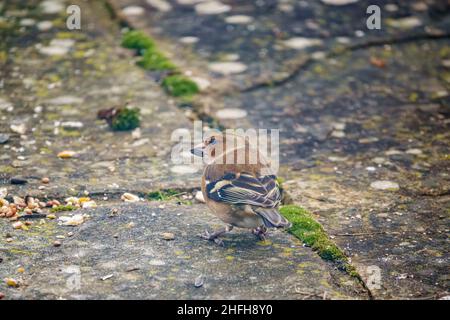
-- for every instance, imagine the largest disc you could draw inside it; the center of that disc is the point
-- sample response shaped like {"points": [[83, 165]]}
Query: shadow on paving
{"points": [[127, 250]]}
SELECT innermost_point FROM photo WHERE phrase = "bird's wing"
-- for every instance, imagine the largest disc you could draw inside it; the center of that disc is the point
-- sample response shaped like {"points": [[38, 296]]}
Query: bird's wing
{"points": [[245, 188]]}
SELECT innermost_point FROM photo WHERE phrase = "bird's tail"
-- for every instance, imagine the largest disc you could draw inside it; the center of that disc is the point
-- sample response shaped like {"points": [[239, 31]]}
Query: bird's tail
{"points": [[272, 218]]}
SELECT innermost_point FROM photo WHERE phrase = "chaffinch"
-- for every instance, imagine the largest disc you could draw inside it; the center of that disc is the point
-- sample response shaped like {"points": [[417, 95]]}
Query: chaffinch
{"points": [[238, 186]]}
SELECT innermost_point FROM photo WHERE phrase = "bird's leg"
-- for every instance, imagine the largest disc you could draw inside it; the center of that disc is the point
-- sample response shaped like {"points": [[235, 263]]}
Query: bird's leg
{"points": [[216, 234], [260, 232]]}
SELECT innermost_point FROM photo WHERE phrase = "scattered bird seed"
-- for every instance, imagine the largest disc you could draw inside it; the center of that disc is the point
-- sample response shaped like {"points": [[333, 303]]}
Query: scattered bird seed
{"points": [[168, 236], [109, 276]]}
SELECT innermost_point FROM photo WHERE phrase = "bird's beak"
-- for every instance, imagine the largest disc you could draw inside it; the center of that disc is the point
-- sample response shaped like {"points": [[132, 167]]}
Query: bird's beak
{"points": [[198, 150]]}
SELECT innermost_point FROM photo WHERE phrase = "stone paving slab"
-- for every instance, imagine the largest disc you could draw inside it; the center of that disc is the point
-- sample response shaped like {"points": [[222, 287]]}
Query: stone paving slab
{"points": [[56, 99], [128, 247]]}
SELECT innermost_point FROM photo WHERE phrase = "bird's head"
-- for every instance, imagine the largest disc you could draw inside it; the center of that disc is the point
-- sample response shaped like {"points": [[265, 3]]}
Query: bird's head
{"points": [[216, 144]]}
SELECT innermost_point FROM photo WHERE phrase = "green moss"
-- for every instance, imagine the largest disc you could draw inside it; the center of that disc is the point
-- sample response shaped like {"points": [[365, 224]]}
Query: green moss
{"points": [[180, 86], [155, 61], [137, 40], [311, 232], [126, 119], [162, 195], [69, 133], [63, 208]]}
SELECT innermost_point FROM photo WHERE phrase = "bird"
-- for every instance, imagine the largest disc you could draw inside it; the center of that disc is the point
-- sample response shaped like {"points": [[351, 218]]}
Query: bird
{"points": [[238, 186]]}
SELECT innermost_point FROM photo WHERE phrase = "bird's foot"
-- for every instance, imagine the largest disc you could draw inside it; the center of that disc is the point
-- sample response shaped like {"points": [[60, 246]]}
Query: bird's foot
{"points": [[260, 232], [214, 236]]}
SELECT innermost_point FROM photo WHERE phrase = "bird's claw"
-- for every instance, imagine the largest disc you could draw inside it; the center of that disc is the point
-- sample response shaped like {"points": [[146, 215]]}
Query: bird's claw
{"points": [[261, 233], [206, 235], [212, 237]]}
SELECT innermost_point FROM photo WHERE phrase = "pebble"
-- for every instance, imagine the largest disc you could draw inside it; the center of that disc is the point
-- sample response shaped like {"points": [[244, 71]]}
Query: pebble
{"points": [[17, 225], [136, 134], [27, 22], [19, 128], [189, 40], [57, 243], [51, 216], [379, 160], [391, 7], [406, 23], [129, 197], [73, 221], [199, 197], [239, 19], [299, 43], [51, 6], [88, 204], [133, 11], [66, 154], [45, 180], [4, 137], [231, 113], [338, 134], [227, 68], [160, 5], [10, 282], [392, 152], [368, 140], [168, 236], [202, 83], [44, 25], [385, 185], [57, 47], [414, 151], [72, 124], [211, 7], [189, 2]]}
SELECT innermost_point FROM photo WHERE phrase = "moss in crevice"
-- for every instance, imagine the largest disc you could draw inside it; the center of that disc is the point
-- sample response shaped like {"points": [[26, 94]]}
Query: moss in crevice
{"points": [[137, 40], [155, 61], [179, 86], [152, 59], [162, 195], [63, 208], [311, 232], [169, 194]]}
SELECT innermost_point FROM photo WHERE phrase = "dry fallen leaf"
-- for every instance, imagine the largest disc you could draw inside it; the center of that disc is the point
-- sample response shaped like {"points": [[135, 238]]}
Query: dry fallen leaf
{"points": [[377, 62]]}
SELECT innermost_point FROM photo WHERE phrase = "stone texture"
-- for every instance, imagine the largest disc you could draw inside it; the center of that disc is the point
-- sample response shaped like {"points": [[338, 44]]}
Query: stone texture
{"points": [[124, 256]]}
